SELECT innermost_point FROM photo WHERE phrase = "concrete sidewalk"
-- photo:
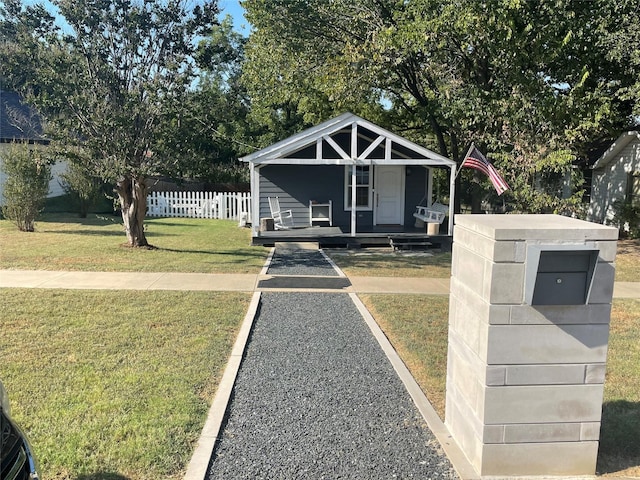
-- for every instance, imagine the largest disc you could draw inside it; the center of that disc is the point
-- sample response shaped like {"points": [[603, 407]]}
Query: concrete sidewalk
{"points": [[236, 282]]}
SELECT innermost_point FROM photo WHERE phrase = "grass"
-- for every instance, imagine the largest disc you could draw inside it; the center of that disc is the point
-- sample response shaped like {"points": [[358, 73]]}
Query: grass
{"points": [[419, 335], [400, 264], [115, 384], [628, 261], [392, 264], [64, 242], [619, 445]]}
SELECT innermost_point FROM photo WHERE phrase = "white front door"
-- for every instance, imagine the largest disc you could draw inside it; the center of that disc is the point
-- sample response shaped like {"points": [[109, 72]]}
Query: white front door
{"points": [[389, 195]]}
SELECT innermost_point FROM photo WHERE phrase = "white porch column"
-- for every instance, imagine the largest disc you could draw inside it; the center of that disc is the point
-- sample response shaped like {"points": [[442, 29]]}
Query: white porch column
{"points": [[254, 175], [353, 199], [429, 186], [452, 197]]}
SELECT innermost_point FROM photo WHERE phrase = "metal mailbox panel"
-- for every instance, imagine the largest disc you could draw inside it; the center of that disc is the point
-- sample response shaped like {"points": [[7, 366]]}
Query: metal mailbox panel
{"points": [[564, 277], [560, 288]]}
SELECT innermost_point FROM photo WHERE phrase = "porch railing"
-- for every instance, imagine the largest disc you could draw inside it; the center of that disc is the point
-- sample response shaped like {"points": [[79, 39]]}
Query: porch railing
{"points": [[216, 205]]}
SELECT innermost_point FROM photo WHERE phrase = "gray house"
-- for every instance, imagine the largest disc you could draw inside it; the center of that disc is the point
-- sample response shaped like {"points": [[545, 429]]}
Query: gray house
{"points": [[349, 178], [616, 176]]}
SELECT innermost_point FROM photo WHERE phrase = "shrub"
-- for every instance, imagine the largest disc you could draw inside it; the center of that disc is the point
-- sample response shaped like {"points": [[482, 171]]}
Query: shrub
{"points": [[82, 186], [27, 183], [626, 217]]}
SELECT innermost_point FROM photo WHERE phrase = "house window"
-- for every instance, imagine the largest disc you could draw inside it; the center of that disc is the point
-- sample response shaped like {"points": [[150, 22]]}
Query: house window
{"points": [[363, 187], [633, 194]]}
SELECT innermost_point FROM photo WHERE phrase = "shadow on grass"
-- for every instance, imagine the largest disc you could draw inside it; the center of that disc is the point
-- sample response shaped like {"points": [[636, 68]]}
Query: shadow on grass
{"points": [[619, 436], [90, 233], [102, 476], [233, 253], [398, 260], [92, 219]]}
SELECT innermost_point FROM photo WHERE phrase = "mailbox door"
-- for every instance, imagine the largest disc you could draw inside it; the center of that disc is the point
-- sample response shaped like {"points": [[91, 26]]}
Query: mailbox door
{"points": [[564, 277]]}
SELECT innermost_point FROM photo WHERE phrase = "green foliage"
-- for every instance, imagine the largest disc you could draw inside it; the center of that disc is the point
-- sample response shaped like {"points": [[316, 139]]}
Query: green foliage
{"points": [[27, 173], [627, 218], [108, 85], [210, 126], [81, 183], [546, 182], [529, 82]]}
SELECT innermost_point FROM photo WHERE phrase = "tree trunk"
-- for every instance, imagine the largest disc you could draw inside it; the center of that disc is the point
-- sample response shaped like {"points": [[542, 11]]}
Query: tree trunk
{"points": [[132, 193], [476, 193]]}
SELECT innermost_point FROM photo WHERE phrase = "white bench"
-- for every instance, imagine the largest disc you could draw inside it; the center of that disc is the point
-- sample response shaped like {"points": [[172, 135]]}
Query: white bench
{"points": [[434, 213]]}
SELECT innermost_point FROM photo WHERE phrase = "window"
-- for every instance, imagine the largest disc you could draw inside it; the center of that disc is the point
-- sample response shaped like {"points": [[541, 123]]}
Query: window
{"points": [[363, 187]]}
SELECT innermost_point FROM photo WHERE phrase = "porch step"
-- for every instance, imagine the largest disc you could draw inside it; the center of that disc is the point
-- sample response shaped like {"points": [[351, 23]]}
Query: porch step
{"points": [[409, 243]]}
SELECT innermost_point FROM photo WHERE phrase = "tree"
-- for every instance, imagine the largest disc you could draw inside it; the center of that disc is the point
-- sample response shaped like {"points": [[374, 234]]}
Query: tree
{"points": [[80, 182], [211, 126], [26, 186], [529, 82], [109, 85]]}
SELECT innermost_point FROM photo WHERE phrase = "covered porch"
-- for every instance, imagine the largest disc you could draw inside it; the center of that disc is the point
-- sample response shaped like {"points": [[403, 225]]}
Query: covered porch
{"points": [[335, 237], [348, 181]]}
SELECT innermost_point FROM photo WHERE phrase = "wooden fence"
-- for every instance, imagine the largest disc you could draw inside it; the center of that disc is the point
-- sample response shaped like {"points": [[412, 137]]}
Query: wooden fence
{"points": [[217, 205]]}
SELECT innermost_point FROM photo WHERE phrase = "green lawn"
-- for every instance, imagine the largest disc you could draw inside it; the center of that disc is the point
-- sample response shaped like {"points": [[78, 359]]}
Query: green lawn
{"points": [[64, 242], [115, 384]]}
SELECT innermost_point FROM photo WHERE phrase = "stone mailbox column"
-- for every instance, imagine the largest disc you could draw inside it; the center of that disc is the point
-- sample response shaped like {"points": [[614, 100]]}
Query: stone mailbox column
{"points": [[528, 329]]}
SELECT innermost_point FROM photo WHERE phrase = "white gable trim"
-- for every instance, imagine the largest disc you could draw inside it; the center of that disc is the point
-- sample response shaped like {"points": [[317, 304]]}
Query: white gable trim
{"points": [[279, 152], [621, 142]]}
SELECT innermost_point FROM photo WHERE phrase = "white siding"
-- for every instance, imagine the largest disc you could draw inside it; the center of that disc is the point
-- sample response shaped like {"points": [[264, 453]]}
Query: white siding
{"points": [[610, 182], [55, 189]]}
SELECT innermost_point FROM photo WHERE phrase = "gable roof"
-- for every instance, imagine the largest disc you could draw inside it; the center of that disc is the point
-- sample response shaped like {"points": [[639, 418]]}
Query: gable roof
{"points": [[345, 140], [615, 148], [19, 121]]}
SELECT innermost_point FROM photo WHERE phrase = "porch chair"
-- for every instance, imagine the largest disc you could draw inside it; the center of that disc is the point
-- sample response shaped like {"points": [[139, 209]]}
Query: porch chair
{"points": [[282, 220]]}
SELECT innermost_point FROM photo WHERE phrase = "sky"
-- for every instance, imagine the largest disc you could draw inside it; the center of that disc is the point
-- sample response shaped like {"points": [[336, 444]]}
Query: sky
{"points": [[227, 7], [233, 8]]}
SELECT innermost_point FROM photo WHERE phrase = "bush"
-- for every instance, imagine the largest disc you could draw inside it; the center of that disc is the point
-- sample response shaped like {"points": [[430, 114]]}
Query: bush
{"points": [[626, 217], [82, 186], [27, 183]]}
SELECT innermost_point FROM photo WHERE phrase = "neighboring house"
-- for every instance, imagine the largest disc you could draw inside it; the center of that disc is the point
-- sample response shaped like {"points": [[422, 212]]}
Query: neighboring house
{"points": [[312, 174], [616, 176], [19, 123]]}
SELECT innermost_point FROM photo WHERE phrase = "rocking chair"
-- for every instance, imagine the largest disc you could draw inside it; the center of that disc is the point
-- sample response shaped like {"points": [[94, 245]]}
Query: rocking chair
{"points": [[282, 220]]}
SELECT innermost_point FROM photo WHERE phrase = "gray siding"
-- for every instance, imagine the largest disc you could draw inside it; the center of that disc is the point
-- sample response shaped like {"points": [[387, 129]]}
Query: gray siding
{"points": [[415, 189], [610, 182], [296, 185]]}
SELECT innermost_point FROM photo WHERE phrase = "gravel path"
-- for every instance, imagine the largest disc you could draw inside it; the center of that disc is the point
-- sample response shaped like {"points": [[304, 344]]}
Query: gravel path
{"points": [[317, 398], [300, 262]]}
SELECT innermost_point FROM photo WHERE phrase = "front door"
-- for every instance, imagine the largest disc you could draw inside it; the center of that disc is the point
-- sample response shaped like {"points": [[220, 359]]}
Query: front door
{"points": [[389, 195]]}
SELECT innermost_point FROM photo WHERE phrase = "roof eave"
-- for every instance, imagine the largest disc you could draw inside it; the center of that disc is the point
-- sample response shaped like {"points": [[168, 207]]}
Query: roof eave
{"points": [[621, 142]]}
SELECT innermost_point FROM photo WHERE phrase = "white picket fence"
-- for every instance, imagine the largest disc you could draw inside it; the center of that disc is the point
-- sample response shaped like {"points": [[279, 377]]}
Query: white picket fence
{"points": [[217, 205]]}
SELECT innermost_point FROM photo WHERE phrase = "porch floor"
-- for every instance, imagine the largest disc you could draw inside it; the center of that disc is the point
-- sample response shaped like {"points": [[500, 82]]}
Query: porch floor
{"points": [[333, 237]]}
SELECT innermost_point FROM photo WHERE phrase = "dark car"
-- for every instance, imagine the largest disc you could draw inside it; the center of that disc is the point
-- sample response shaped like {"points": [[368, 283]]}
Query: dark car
{"points": [[17, 462]]}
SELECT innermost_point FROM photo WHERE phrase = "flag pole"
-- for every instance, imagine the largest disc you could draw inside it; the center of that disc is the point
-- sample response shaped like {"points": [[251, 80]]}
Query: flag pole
{"points": [[465, 157]]}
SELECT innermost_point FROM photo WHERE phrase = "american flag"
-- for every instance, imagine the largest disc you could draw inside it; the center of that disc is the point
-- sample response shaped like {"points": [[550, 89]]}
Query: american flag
{"points": [[475, 159]]}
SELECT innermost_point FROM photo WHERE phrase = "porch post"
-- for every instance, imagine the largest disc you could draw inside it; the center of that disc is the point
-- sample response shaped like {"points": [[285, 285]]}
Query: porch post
{"points": [[429, 186], [452, 196], [353, 199], [254, 175]]}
